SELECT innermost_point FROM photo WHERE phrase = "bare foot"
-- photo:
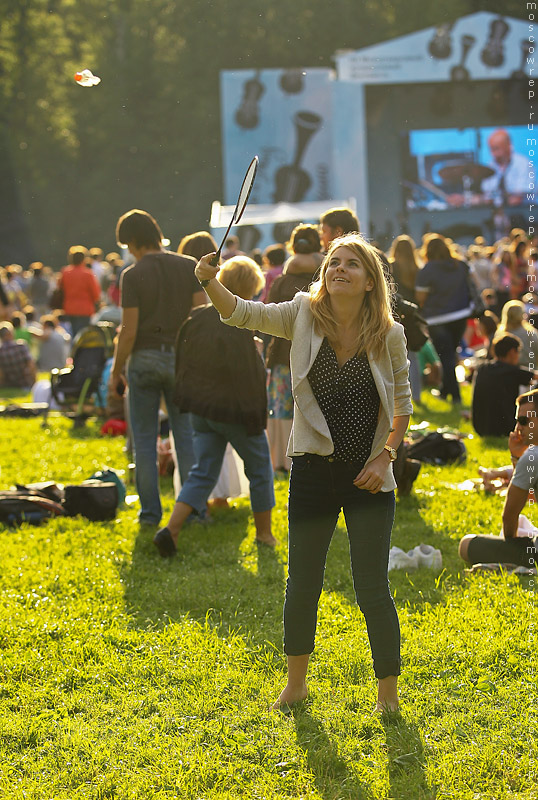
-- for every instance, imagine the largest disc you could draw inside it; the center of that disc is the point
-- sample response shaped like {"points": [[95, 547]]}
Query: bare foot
{"points": [[267, 539], [387, 694], [289, 698], [387, 705]]}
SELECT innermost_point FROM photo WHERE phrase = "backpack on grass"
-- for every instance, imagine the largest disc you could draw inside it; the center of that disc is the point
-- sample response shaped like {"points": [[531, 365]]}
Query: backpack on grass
{"points": [[97, 500], [94, 499], [27, 505], [438, 448]]}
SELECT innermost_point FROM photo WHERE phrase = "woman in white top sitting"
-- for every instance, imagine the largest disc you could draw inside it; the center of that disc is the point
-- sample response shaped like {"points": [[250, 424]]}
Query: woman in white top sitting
{"points": [[514, 320]]}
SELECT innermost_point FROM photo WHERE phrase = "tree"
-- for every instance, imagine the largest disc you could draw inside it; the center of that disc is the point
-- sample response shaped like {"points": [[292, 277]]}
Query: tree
{"points": [[149, 135]]}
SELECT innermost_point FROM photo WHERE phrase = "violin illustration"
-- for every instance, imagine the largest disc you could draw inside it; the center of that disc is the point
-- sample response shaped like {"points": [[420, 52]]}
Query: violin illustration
{"points": [[460, 72], [291, 181], [441, 45], [292, 81], [520, 74], [493, 53], [247, 115]]}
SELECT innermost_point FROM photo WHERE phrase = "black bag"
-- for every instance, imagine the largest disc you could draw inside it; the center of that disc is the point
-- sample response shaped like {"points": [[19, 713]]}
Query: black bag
{"points": [[477, 304], [438, 448], [415, 326], [23, 410], [27, 505], [96, 500]]}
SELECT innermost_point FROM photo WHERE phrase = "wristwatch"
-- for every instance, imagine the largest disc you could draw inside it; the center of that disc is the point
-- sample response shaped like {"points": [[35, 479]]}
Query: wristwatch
{"points": [[391, 451]]}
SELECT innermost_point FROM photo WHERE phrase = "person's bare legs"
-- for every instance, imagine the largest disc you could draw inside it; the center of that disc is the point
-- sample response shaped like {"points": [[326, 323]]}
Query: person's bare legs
{"points": [[490, 475], [387, 694], [179, 514], [296, 688], [262, 521]]}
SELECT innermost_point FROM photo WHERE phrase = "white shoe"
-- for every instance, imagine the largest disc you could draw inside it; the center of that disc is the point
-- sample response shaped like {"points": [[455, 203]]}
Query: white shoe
{"points": [[428, 556], [398, 559]]}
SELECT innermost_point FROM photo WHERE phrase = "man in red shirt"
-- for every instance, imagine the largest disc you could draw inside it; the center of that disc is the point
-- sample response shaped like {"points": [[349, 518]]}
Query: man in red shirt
{"points": [[81, 290]]}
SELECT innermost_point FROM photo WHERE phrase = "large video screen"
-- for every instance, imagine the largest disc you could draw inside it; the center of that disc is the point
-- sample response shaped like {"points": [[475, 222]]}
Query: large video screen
{"points": [[470, 167]]}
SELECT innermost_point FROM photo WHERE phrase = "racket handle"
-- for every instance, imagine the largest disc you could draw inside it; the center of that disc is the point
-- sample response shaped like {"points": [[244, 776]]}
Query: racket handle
{"points": [[214, 263]]}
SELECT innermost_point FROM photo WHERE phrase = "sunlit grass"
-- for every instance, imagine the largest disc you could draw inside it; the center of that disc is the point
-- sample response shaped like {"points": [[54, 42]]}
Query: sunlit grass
{"points": [[126, 676]]}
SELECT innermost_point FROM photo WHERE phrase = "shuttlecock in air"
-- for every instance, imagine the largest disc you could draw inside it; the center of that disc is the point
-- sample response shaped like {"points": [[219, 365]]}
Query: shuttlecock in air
{"points": [[86, 78]]}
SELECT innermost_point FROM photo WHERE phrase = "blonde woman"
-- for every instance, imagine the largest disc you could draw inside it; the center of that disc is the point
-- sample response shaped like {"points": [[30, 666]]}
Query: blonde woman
{"points": [[352, 404], [403, 266], [220, 382], [514, 320]]}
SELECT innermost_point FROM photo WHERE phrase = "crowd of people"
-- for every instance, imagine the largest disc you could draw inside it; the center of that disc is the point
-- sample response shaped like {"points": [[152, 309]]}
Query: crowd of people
{"points": [[42, 310], [295, 357]]}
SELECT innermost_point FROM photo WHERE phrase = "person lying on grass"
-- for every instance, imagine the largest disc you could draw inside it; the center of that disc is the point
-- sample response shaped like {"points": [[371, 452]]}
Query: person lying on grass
{"points": [[349, 375], [510, 548]]}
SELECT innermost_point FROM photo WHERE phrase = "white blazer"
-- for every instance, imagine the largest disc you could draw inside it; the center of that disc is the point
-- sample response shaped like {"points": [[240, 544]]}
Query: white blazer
{"points": [[310, 433]]}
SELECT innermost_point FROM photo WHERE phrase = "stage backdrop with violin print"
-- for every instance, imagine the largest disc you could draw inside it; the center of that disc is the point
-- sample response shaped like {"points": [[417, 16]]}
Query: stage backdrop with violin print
{"points": [[407, 129], [284, 117]]}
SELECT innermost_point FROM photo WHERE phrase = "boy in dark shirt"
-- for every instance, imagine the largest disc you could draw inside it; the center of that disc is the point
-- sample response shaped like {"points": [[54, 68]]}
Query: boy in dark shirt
{"points": [[496, 387], [157, 294]]}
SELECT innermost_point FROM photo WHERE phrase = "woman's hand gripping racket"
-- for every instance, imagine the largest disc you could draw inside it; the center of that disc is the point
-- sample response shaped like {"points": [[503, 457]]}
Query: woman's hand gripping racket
{"points": [[242, 200]]}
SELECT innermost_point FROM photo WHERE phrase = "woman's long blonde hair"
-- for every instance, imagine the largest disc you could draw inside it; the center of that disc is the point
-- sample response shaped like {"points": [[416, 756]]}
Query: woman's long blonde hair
{"points": [[402, 252], [513, 316], [374, 318]]}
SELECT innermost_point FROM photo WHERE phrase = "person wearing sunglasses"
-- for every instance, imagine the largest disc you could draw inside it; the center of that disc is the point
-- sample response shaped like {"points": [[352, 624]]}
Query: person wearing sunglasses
{"points": [[512, 547]]}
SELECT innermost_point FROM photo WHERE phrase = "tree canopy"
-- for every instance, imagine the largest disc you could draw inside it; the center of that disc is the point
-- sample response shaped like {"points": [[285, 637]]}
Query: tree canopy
{"points": [[72, 159]]}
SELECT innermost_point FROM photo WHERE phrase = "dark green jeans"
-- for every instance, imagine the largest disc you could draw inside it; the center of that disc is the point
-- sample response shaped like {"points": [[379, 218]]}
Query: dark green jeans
{"points": [[319, 489]]}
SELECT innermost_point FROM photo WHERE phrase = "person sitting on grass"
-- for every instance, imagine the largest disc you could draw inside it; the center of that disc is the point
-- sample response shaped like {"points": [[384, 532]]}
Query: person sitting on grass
{"points": [[53, 344], [20, 328], [511, 548], [17, 367], [496, 386]]}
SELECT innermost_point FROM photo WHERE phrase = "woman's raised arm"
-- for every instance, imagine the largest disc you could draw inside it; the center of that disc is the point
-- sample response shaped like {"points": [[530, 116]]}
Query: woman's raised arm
{"points": [[223, 300]]}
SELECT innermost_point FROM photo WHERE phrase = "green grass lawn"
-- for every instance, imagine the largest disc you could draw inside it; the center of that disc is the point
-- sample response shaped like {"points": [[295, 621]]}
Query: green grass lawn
{"points": [[126, 676]]}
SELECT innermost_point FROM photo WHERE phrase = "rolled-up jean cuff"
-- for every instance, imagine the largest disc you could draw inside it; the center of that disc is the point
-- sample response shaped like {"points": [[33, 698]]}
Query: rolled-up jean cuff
{"points": [[383, 668], [297, 651]]}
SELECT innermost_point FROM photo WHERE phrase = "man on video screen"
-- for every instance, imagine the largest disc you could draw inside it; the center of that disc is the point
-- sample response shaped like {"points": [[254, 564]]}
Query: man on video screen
{"points": [[511, 179]]}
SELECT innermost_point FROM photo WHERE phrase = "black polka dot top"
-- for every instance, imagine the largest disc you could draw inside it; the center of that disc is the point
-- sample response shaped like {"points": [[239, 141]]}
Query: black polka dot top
{"points": [[349, 401]]}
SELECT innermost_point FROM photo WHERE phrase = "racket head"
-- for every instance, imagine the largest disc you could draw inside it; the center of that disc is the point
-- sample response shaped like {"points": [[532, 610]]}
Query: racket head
{"points": [[246, 188], [242, 200]]}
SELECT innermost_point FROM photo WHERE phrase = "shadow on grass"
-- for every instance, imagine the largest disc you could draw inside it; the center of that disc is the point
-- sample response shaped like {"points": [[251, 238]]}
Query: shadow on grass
{"points": [[331, 774], [417, 586], [218, 574], [406, 760]]}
